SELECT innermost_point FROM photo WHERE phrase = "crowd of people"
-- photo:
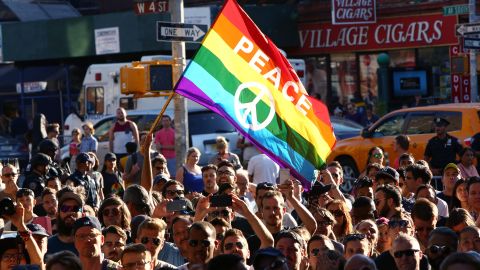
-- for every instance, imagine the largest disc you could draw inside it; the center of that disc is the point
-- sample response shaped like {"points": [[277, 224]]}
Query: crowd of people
{"points": [[234, 213]]}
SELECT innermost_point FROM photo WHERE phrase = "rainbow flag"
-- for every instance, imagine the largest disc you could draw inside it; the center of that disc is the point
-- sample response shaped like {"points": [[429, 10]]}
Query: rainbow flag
{"points": [[240, 74]]}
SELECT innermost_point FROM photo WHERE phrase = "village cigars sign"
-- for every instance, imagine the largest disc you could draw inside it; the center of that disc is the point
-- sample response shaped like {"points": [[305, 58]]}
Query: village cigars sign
{"points": [[388, 33], [353, 11]]}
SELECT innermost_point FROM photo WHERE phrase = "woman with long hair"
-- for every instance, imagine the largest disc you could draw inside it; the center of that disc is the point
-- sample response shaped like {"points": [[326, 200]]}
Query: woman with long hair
{"points": [[460, 195], [113, 211], [112, 177], [343, 224], [375, 155], [190, 174]]}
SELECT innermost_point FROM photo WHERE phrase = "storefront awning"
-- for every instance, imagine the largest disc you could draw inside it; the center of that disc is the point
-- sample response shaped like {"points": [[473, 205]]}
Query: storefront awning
{"points": [[10, 75]]}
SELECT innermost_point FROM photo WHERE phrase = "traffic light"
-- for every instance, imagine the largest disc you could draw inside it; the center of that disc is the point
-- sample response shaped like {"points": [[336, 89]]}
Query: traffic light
{"points": [[145, 77]]}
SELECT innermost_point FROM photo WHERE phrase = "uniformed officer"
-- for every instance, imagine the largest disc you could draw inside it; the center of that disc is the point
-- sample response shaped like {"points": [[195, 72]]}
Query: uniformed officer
{"points": [[50, 148], [81, 178], [37, 178], [441, 149]]}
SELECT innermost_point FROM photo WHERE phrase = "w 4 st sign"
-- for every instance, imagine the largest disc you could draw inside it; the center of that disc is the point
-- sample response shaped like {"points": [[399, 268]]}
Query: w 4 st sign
{"points": [[146, 7]]}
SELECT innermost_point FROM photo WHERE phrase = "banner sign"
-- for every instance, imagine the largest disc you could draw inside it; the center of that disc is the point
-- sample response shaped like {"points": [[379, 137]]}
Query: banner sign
{"points": [[353, 11], [388, 33]]}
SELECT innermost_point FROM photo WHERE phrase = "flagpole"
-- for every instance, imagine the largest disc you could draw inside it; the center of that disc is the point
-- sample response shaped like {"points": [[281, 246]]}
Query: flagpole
{"points": [[178, 56]]}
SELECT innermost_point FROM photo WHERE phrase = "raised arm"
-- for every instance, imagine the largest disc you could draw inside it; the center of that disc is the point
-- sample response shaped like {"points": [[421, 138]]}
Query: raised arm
{"points": [[305, 215], [147, 176], [266, 238]]}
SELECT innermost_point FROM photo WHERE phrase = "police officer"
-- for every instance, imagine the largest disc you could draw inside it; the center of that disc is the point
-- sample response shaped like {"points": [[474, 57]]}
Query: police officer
{"points": [[81, 178], [38, 176], [50, 148], [441, 149]]}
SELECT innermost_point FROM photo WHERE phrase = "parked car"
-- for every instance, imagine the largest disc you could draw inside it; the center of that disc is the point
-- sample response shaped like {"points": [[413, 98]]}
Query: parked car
{"points": [[14, 151], [417, 123], [203, 125], [344, 128]]}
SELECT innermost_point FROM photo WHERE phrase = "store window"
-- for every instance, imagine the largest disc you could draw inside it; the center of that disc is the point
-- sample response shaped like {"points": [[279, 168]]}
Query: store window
{"points": [[368, 77], [437, 60], [344, 77], [317, 83]]}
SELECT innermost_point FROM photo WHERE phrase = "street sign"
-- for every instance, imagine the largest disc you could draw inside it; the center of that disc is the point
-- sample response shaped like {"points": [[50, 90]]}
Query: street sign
{"points": [[471, 43], [167, 31], [468, 28], [146, 7], [455, 10]]}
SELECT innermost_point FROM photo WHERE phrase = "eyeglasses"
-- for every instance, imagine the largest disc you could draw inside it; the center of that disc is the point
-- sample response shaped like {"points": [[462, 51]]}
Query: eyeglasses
{"points": [[223, 213], [337, 213], [114, 211], [377, 155], [11, 257], [155, 241], [90, 236], [407, 252], [277, 264], [402, 223], [10, 174], [68, 209], [134, 265], [229, 246], [178, 192], [227, 172], [193, 243], [354, 236], [438, 249]]}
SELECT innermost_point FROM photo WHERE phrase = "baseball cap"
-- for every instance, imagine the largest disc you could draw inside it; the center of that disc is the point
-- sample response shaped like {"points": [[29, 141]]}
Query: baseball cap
{"points": [[110, 156], [87, 221], [451, 166], [37, 229], [160, 178], [84, 157], [389, 172], [439, 121]]}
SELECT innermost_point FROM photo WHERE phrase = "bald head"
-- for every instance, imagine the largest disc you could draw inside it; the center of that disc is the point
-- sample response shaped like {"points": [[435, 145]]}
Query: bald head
{"points": [[360, 261]]}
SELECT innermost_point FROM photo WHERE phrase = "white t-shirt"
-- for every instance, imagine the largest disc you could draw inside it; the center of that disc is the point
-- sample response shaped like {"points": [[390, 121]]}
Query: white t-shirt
{"points": [[263, 169], [442, 207]]}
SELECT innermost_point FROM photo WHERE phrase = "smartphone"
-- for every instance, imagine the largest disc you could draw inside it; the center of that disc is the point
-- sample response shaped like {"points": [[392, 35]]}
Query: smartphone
{"points": [[221, 201], [177, 205], [284, 175]]}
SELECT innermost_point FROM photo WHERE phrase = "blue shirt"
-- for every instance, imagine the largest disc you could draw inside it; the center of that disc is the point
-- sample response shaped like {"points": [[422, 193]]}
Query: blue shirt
{"points": [[88, 144], [171, 254], [54, 245]]}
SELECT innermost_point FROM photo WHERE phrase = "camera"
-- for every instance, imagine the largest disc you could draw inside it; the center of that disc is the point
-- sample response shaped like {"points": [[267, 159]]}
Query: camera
{"points": [[7, 207]]}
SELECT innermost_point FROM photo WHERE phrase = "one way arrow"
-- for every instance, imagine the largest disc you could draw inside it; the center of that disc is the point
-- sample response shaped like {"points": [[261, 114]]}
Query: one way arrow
{"points": [[466, 29], [167, 31]]}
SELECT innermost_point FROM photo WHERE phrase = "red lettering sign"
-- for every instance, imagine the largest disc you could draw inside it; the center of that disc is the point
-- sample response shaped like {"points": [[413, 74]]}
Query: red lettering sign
{"points": [[456, 88], [466, 89], [353, 11], [461, 89], [146, 7], [388, 33]]}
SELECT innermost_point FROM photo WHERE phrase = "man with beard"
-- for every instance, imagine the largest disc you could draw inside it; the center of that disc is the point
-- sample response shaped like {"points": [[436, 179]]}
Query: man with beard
{"points": [[202, 243], [122, 132], [151, 233], [388, 201], [88, 236], [70, 209], [209, 175], [114, 242]]}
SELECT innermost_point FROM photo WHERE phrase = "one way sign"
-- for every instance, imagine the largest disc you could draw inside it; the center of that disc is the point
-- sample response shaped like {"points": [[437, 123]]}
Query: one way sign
{"points": [[167, 31]]}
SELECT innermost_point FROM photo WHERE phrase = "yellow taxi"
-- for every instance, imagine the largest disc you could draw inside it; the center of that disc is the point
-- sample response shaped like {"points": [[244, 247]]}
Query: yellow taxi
{"points": [[416, 122]]}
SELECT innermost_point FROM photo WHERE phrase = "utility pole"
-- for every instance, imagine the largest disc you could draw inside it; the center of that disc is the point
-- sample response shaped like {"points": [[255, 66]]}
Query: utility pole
{"points": [[178, 56], [473, 57]]}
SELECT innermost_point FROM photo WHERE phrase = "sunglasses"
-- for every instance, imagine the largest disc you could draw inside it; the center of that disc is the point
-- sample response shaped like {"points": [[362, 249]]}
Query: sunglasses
{"points": [[398, 223], [193, 243], [438, 249], [9, 174], [377, 155], [354, 236], [229, 246], [223, 213], [68, 209], [407, 252], [175, 192], [337, 213], [155, 241], [114, 211], [227, 172], [325, 223]]}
